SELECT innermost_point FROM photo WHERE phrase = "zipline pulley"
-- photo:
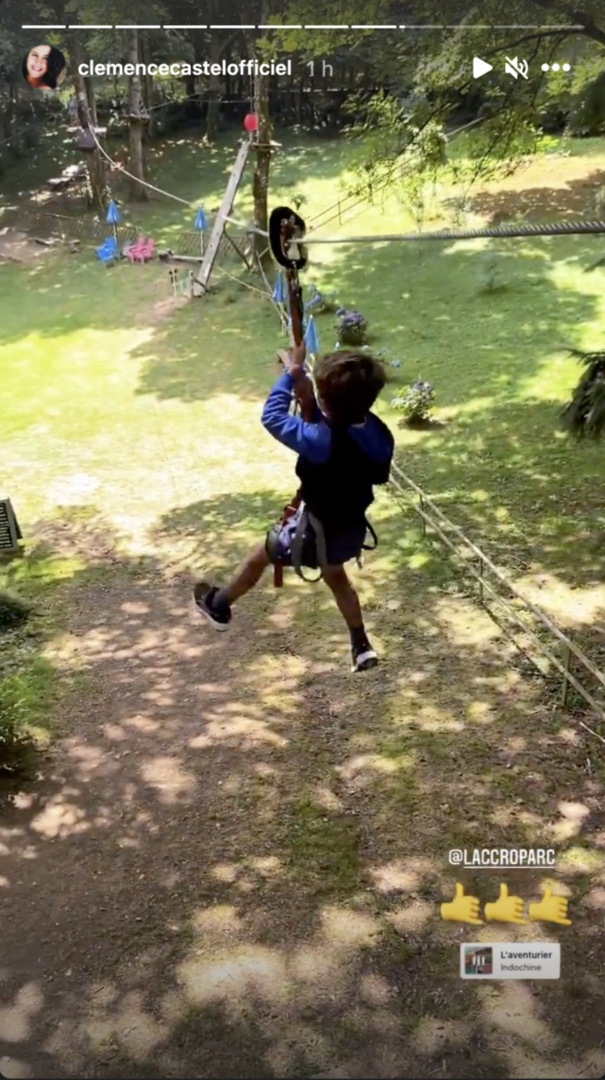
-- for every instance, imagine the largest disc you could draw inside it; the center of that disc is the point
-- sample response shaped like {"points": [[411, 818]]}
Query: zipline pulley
{"points": [[286, 233]]}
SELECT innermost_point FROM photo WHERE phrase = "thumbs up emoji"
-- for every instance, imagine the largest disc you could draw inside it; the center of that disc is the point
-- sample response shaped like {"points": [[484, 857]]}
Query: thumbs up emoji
{"points": [[550, 909], [506, 908], [462, 908]]}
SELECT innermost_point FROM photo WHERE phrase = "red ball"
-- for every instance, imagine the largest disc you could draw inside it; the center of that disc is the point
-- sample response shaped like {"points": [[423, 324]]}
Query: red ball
{"points": [[251, 122]]}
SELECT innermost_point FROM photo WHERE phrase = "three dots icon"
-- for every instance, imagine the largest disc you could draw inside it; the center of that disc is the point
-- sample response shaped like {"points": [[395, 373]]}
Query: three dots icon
{"points": [[556, 67]]}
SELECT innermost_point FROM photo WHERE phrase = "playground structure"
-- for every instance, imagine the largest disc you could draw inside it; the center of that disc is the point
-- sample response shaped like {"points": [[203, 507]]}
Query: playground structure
{"points": [[220, 239], [188, 246]]}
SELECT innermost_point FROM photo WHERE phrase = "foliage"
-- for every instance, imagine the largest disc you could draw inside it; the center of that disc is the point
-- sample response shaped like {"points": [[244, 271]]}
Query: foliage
{"points": [[416, 403], [16, 741], [351, 327], [599, 204], [387, 124], [489, 275], [413, 193], [584, 416], [13, 610], [408, 92]]}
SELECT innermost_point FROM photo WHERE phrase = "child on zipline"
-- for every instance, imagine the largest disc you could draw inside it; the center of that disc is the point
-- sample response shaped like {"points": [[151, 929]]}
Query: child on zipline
{"points": [[343, 450]]}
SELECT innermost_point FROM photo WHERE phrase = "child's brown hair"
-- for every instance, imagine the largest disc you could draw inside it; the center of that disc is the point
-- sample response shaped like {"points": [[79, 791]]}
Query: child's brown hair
{"points": [[348, 384]]}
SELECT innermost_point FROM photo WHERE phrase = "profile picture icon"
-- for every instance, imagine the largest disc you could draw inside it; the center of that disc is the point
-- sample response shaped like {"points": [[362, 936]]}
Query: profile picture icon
{"points": [[44, 67]]}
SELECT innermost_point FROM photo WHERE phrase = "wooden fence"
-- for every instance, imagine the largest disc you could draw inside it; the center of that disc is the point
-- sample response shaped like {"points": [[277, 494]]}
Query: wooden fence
{"points": [[70, 227], [572, 663]]}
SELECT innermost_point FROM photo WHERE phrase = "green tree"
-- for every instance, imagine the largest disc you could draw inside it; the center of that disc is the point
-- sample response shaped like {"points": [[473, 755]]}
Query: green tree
{"points": [[426, 79], [137, 116]]}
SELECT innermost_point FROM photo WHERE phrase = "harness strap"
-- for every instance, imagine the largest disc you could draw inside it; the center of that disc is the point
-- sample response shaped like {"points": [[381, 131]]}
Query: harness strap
{"points": [[297, 545], [370, 547], [289, 511], [320, 540]]}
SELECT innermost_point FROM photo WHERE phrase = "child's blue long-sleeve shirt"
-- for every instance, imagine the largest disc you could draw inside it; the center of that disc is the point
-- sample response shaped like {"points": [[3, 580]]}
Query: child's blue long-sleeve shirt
{"points": [[313, 441]]}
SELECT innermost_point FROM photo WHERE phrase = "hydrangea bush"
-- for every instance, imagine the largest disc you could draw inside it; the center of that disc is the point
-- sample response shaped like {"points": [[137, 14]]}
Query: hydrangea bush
{"points": [[351, 327], [416, 403]]}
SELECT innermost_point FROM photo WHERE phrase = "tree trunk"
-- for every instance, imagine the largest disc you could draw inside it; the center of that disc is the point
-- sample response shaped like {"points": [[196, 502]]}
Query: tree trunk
{"points": [[148, 86], [262, 165], [214, 90], [89, 81], [95, 163], [137, 117]]}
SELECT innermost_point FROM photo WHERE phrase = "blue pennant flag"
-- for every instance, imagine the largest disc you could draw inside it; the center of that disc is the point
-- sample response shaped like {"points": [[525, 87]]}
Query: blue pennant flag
{"points": [[201, 221], [112, 213], [279, 292], [311, 337]]}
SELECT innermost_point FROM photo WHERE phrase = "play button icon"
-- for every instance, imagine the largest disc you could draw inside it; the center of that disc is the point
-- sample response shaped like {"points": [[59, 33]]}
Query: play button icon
{"points": [[480, 68]]}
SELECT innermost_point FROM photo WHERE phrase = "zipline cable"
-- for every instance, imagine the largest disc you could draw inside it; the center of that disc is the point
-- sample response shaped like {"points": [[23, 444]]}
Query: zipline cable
{"points": [[169, 195], [574, 228], [340, 208], [563, 228], [120, 168]]}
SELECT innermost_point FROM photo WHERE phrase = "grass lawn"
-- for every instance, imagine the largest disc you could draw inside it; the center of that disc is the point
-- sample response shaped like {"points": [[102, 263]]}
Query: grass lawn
{"points": [[487, 323], [133, 453]]}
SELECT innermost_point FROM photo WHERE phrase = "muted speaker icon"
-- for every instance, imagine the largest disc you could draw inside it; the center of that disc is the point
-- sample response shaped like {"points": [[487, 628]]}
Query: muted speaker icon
{"points": [[516, 67]]}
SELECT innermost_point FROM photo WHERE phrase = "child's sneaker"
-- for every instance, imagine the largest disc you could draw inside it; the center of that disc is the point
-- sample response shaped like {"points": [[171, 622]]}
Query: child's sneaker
{"points": [[364, 656], [219, 615]]}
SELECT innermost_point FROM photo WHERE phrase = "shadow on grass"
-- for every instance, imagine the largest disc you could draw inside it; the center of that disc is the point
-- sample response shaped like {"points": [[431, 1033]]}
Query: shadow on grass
{"points": [[500, 462], [500, 456], [238, 851], [181, 165], [537, 203]]}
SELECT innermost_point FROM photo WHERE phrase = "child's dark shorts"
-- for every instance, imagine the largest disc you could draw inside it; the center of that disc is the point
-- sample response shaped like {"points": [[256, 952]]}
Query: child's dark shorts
{"points": [[341, 547]]}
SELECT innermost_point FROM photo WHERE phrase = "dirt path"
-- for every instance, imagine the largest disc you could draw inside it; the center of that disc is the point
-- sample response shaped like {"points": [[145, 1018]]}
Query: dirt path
{"points": [[233, 863]]}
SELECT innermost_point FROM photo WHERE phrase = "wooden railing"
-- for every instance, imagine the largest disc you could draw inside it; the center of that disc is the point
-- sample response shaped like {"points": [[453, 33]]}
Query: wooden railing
{"points": [[492, 579]]}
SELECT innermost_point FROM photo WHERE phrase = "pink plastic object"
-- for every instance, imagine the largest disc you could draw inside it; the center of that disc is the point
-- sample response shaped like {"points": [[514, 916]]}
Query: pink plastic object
{"points": [[133, 252]]}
